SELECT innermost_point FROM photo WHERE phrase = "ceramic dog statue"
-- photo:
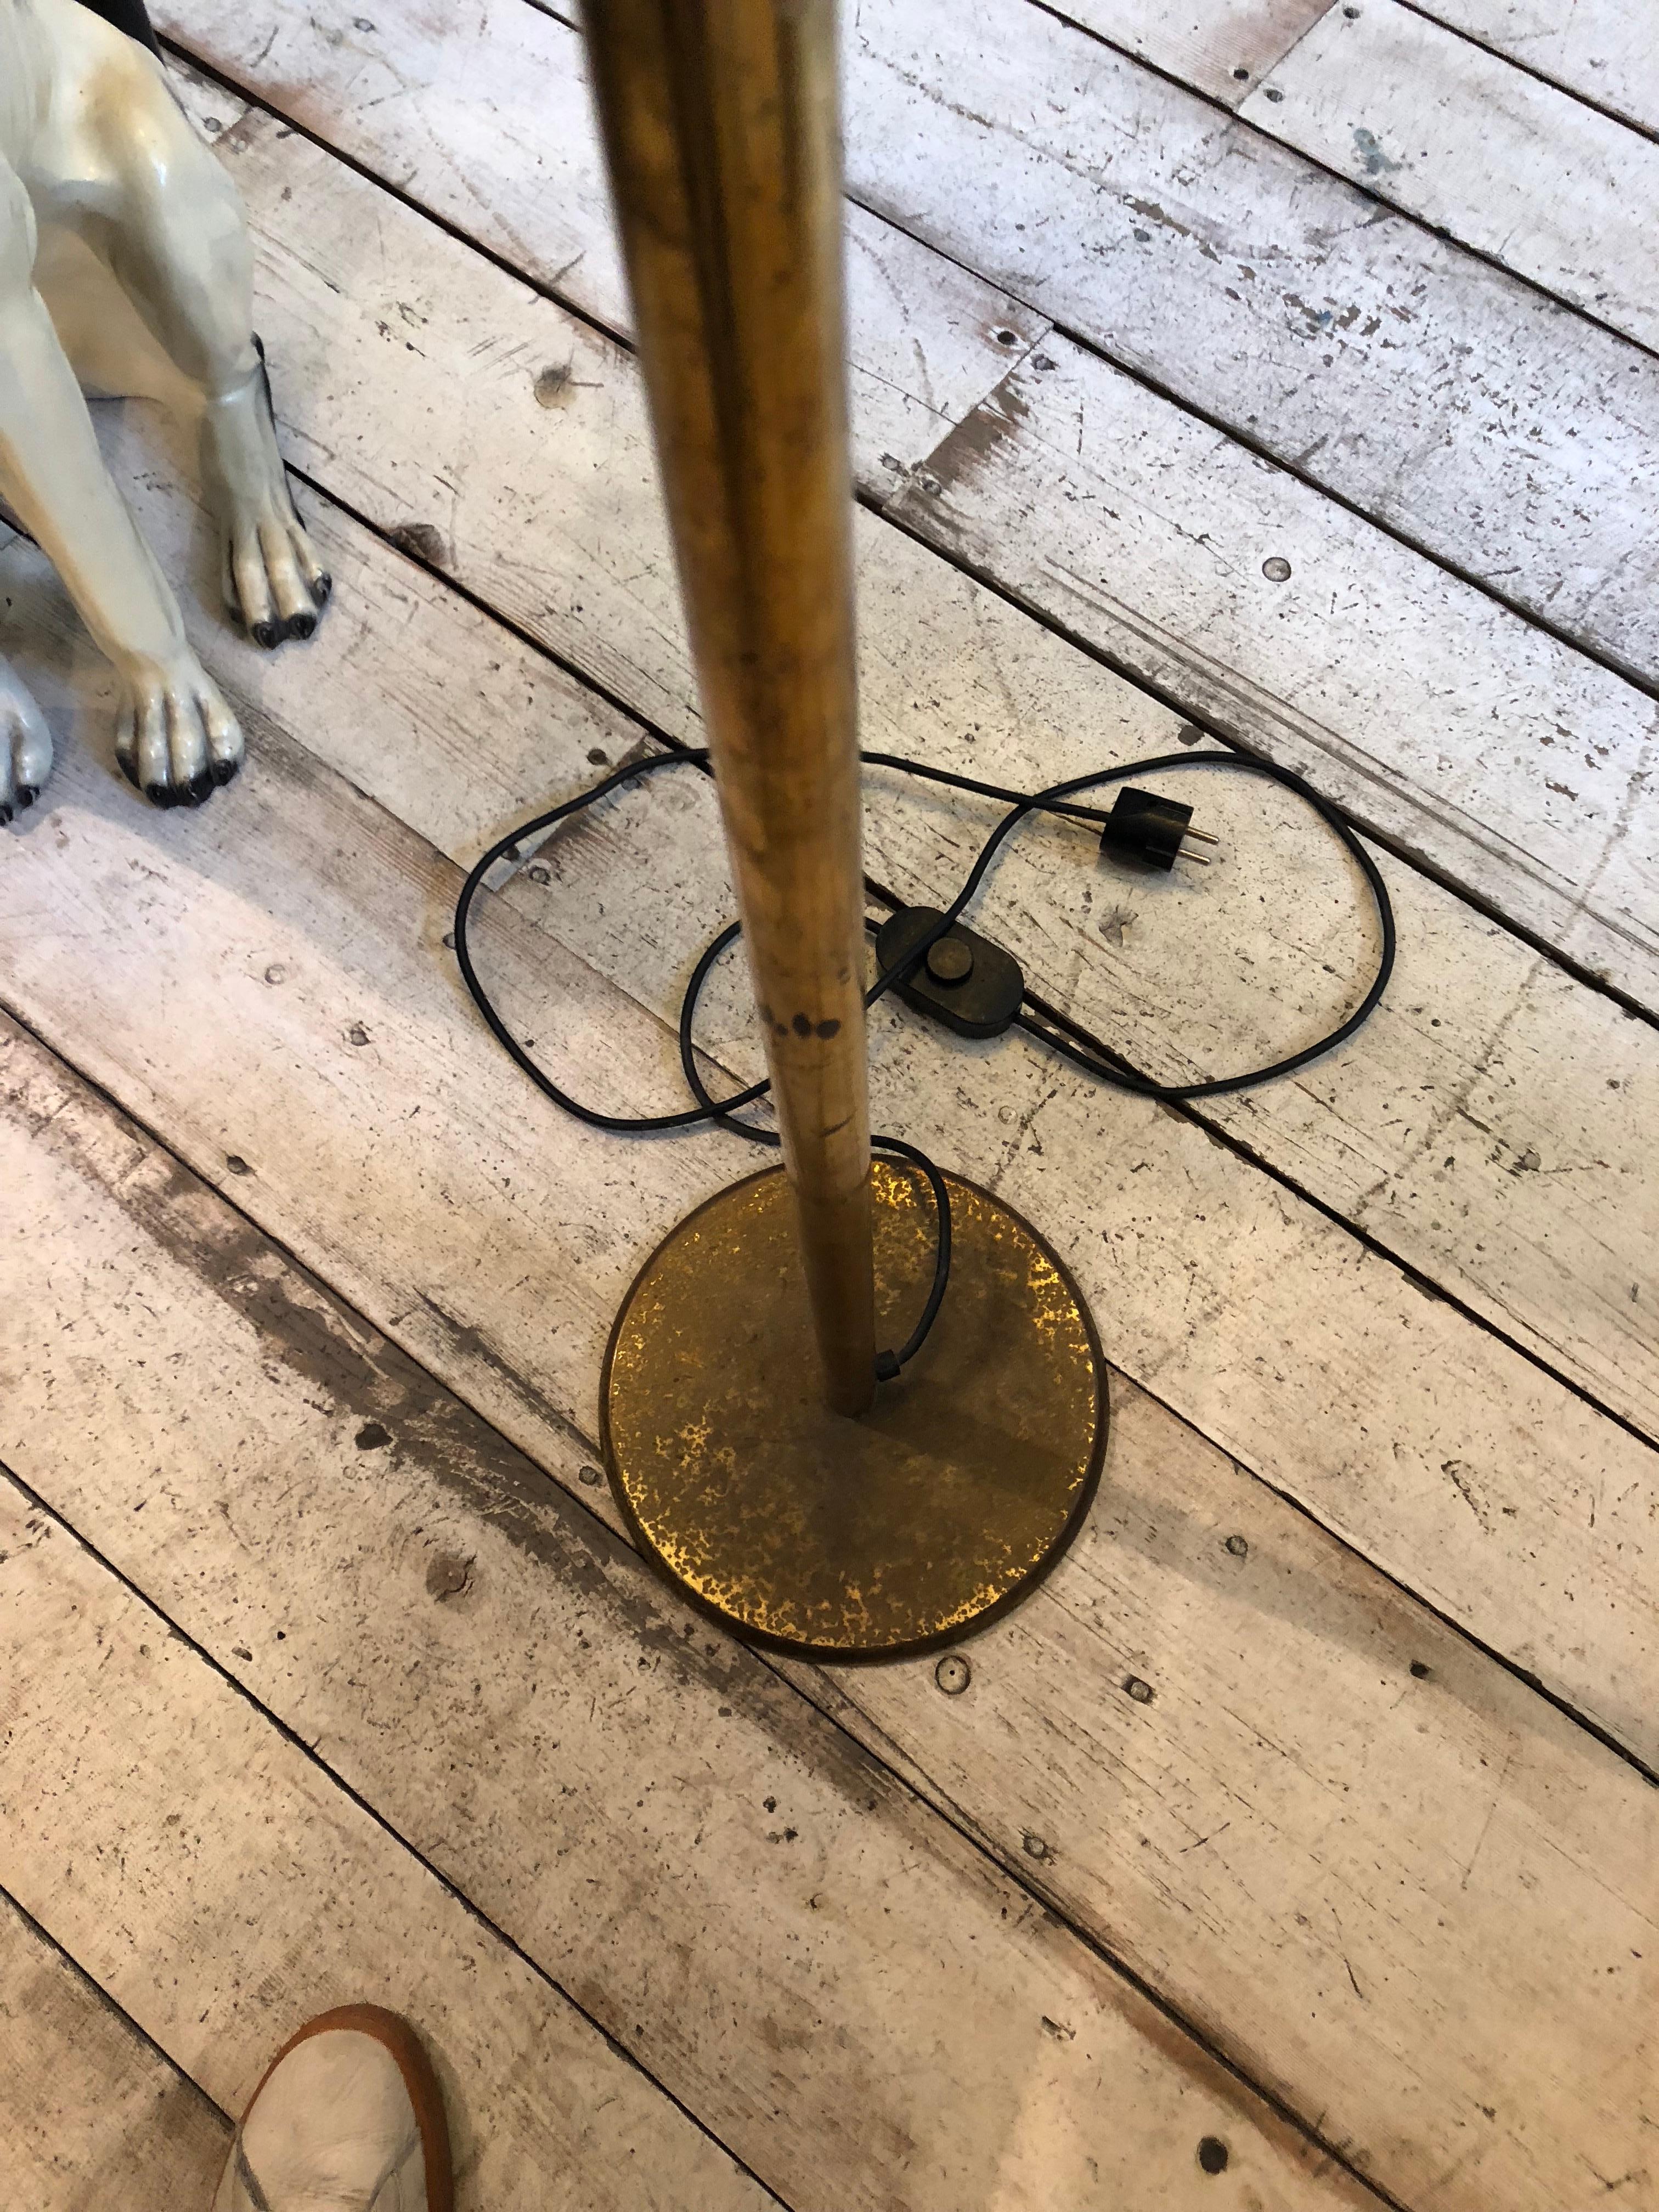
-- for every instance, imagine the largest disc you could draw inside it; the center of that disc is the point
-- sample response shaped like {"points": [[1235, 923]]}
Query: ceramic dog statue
{"points": [[125, 270]]}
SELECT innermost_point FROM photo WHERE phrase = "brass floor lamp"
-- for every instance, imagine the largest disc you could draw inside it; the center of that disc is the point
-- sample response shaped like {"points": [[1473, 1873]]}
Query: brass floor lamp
{"points": [[757, 1458]]}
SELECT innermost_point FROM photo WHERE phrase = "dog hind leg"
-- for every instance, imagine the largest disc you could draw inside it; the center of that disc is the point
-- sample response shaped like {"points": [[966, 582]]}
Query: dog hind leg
{"points": [[172, 232]]}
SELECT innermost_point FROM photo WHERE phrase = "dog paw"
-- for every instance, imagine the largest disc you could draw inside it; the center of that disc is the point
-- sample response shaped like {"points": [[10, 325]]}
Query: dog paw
{"points": [[275, 585], [175, 738], [25, 748]]}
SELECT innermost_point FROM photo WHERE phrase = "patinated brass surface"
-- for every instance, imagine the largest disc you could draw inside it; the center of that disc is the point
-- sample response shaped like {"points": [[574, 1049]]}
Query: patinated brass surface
{"points": [[841, 1537], [719, 118]]}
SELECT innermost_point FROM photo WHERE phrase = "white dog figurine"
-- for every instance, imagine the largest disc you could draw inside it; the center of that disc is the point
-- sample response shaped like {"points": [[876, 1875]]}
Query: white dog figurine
{"points": [[125, 268]]}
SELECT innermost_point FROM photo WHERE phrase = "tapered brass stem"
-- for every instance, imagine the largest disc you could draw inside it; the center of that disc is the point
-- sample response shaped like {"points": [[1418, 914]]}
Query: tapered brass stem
{"points": [[721, 123]]}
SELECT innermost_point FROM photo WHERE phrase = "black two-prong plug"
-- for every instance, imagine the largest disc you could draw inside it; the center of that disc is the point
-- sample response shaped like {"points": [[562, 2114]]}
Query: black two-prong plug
{"points": [[1153, 831]]}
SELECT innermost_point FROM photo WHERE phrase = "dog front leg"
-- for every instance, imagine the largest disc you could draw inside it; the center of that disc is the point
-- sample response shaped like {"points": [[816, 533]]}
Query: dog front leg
{"points": [[175, 736]]}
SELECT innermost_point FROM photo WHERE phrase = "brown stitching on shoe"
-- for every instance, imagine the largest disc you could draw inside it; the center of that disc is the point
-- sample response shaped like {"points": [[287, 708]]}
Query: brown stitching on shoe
{"points": [[249, 2179]]}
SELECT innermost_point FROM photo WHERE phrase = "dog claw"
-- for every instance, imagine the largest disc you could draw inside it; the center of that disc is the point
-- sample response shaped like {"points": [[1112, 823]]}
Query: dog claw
{"points": [[27, 794], [160, 794], [5, 813], [224, 771], [199, 788], [300, 625], [267, 634]]}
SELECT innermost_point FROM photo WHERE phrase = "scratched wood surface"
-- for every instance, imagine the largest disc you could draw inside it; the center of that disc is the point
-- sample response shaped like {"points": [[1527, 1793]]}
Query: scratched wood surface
{"points": [[335, 995], [1453, 1452], [91, 2114], [1374, 1163], [1602, 49], [1225, 269], [896, 2005], [1305, 1733], [1458, 1488], [1433, 123], [875, 1945], [1427, 708], [1496, 122], [213, 1877]]}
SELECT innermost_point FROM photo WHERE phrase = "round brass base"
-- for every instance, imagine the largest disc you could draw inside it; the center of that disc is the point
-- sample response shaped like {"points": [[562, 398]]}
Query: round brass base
{"points": [[846, 1539]]}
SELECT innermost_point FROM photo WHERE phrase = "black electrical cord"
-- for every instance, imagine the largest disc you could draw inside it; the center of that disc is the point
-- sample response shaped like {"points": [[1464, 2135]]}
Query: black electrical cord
{"points": [[1052, 1027]]}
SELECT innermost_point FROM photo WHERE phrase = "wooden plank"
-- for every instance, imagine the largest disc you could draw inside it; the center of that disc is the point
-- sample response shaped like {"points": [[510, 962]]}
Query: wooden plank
{"points": [[1379, 1505], [1480, 1079], [1439, 1452], [1275, 298], [503, 148], [222, 1888], [1545, 1218], [1358, 1849], [1600, 49], [1430, 390], [302, 864], [1222, 47], [1458, 137], [1434, 715], [90, 2114], [948, 672], [907, 601], [1489, 751], [849, 1992], [527, 460]]}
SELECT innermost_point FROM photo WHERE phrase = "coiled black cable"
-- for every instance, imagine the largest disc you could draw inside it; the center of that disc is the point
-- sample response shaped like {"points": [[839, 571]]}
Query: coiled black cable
{"points": [[1052, 1027]]}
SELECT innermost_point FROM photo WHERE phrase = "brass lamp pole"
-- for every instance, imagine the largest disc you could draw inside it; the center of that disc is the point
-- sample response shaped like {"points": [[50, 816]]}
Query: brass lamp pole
{"points": [[765, 1479], [719, 119]]}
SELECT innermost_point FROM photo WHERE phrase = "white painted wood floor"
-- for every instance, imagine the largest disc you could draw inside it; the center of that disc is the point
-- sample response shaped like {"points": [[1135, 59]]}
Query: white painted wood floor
{"points": [[327, 1672]]}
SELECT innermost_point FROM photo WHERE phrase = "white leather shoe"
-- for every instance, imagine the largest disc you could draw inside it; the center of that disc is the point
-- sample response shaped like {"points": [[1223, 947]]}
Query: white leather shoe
{"points": [[348, 2118]]}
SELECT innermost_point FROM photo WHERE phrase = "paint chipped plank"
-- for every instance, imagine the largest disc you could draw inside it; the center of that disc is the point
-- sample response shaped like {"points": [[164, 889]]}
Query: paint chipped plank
{"points": [[1603, 49], [1489, 1127], [1222, 267], [1316, 1338], [1593, 1323], [1222, 47], [949, 673], [1401, 1505], [1346, 1842], [1431, 391], [92, 2113], [1535, 806], [222, 1888], [1458, 137], [1429, 711], [504, 149], [848, 1992]]}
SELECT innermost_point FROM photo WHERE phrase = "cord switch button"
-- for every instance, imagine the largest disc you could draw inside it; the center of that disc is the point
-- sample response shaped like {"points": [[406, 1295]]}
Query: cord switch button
{"points": [[964, 981], [952, 960]]}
